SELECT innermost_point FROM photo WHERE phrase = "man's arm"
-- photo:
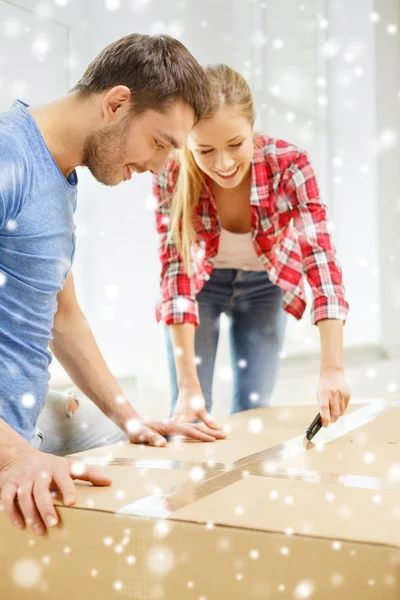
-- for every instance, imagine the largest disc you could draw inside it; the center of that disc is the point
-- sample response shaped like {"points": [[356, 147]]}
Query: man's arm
{"points": [[27, 474], [76, 349], [11, 444]]}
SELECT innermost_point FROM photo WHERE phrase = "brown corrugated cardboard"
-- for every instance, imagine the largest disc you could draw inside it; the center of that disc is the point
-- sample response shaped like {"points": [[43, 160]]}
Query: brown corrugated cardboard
{"points": [[277, 426], [330, 511], [97, 555], [372, 450], [260, 515]]}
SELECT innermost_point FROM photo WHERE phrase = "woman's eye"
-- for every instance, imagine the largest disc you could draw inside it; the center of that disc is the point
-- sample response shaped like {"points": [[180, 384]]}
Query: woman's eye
{"points": [[231, 146], [159, 145]]}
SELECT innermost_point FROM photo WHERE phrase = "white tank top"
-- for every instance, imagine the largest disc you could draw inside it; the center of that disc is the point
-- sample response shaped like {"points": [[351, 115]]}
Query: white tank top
{"points": [[236, 251]]}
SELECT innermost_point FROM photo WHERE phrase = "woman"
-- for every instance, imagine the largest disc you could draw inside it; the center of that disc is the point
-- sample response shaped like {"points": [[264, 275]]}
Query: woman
{"points": [[241, 224]]}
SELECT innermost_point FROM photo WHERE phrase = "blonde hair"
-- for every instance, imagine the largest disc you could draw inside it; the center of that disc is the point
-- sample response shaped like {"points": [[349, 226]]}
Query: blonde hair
{"points": [[225, 86]]}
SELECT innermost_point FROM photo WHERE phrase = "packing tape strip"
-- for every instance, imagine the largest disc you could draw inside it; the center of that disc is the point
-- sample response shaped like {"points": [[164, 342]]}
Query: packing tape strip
{"points": [[161, 506], [354, 481], [104, 461], [345, 425]]}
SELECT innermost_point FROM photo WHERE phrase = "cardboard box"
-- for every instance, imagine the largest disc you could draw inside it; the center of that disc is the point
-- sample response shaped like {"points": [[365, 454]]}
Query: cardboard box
{"points": [[260, 515]]}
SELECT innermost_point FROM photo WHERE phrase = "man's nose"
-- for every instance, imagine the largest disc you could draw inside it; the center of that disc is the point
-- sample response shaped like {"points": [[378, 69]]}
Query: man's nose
{"points": [[158, 164]]}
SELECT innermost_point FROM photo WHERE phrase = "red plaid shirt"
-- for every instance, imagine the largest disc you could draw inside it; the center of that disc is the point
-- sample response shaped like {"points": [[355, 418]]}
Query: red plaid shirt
{"points": [[289, 234]]}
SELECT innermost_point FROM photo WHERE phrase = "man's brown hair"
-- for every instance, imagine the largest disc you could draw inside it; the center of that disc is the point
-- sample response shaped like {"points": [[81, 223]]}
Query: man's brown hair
{"points": [[158, 69]]}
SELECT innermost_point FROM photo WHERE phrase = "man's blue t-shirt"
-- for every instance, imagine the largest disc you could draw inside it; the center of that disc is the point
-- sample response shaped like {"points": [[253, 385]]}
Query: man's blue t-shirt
{"points": [[37, 245]]}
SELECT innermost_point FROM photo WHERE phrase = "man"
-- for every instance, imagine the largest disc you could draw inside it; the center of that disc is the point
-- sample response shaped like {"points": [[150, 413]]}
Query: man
{"points": [[135, 103]]}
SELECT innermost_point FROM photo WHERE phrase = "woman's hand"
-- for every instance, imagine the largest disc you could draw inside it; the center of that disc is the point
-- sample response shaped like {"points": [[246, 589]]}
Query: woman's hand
{"points": [[333, 395], [190, 406]]}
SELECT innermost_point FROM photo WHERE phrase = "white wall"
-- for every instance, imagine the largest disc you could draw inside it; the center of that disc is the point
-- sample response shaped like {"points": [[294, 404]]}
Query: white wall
{"points": [[287, 92], [387, 68], [311, 68], [117, 246], [33, 57], [316, 87], [308, 89], [352, 140]]}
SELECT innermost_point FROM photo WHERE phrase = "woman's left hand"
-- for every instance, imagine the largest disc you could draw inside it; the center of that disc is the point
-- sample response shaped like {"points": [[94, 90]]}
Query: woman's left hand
{"points": [[333, 395]]}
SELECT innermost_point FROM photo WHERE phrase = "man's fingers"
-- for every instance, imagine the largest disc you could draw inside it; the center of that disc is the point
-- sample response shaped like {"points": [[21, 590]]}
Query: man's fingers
{"points": [[44, 502], [151, 437], [65, 484], [29, 509], [8, 496], [80, 471]]}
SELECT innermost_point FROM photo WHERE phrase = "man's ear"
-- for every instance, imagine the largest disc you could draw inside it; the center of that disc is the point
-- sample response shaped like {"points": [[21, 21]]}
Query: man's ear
{"points": [[116, 103]]}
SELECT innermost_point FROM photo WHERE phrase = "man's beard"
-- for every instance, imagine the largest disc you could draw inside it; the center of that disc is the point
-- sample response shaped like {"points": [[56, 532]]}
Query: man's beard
{"points": [[104, 152]]}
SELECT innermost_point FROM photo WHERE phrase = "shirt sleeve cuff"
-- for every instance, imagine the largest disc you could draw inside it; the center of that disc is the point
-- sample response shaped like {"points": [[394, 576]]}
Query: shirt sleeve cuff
{"points": [[180, 309], [329, 308]]}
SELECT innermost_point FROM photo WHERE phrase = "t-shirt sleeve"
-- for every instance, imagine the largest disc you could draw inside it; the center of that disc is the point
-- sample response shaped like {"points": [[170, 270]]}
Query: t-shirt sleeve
{"points": [[15, 174]]}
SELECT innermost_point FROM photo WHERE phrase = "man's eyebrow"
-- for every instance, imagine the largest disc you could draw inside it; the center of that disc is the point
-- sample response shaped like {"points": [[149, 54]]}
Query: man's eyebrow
{"points": [[209, 145], [171, 140]]}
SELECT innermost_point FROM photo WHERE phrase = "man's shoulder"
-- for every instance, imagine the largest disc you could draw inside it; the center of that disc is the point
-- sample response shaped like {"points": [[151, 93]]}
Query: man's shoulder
{"points": [[15, 170], [13, 145]]}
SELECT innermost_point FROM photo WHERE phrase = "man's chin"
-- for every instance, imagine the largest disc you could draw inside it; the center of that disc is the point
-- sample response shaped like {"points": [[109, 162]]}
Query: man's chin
{"points": [[108, 181]]}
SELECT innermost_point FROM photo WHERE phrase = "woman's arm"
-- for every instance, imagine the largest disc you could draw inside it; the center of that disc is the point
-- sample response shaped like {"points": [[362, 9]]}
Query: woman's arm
{"points": [[333, 391], [184, 353], [178, 307], [323, 272], [190, 404]]}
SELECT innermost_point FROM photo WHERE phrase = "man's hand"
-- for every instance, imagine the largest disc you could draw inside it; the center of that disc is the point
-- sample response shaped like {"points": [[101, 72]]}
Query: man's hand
{"points": [[29, 478], [154, 432]]}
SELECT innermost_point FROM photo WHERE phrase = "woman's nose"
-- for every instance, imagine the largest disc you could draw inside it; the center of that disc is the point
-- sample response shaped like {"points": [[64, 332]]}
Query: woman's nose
{"points": [[224, 162]]}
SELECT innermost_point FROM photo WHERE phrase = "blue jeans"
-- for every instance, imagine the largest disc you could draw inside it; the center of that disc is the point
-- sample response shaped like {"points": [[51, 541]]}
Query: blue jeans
{"points": [[257, 324], [88, 428]]}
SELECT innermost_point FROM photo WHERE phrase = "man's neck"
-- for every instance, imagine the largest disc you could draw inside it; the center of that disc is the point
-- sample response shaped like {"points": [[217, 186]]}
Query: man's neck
{"points": [[64, 127]]}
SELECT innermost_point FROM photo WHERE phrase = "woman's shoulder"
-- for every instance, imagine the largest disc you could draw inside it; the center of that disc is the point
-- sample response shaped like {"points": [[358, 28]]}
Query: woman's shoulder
{"points": [[169, 175], [277, 153]]}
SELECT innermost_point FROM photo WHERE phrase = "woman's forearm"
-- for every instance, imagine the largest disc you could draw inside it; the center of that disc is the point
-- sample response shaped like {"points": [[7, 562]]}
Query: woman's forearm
{"points": [[185, 360], [331, 337]]}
